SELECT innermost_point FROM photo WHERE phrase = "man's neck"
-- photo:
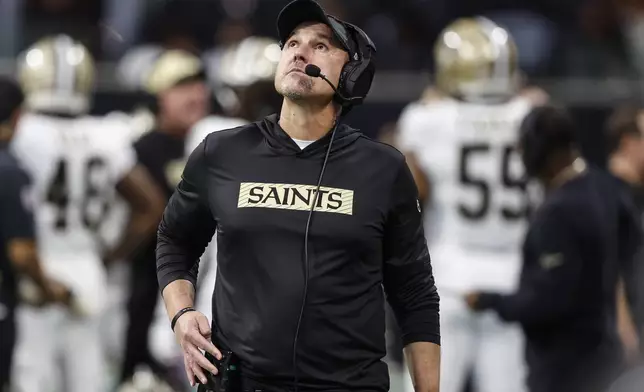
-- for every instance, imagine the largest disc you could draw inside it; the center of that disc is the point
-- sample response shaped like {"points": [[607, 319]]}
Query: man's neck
{"points": [[567, 172], [166, 128], [623, 168], [306, 122]]}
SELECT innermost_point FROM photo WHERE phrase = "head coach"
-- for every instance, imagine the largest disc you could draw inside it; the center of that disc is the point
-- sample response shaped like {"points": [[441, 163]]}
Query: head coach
{"points": [[316, 225]]}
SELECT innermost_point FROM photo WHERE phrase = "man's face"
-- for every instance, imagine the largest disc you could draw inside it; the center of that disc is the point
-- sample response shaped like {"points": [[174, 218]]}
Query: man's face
{"points": [[310, 43], [184, 105]]}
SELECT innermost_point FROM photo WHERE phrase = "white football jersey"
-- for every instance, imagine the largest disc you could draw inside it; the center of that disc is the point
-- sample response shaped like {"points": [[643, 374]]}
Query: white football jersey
{"points": [[479, 213], [208, 125], [75, 164]]}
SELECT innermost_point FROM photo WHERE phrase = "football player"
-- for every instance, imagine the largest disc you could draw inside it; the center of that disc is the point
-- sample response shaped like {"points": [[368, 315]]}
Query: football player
{"points": [[460, 142], [79, 163]]}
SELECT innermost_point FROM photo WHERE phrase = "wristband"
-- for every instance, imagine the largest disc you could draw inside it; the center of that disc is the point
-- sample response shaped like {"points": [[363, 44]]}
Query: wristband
{"points": [[179, 314]]}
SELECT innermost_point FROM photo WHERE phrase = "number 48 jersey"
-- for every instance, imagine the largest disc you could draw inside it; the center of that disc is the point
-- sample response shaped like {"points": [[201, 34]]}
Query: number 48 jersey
{"points": [[480, 204], [75, 165]]}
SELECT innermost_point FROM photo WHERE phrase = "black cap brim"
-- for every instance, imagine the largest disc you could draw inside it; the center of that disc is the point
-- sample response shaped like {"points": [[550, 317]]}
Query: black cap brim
{"points": [[300, 11]]}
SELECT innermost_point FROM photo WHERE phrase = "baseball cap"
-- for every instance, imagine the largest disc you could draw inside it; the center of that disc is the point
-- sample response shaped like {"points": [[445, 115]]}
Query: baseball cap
{"points": [[299, 11]]}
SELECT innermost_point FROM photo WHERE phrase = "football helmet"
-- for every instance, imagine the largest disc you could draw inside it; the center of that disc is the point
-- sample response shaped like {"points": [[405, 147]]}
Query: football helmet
{"points": [[171, 68], [252, 60], [57, 75], [475, 59], [245, 76]]}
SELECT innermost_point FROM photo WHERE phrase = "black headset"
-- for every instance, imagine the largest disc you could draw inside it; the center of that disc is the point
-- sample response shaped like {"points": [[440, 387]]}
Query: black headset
{"points": [[357, 74]]}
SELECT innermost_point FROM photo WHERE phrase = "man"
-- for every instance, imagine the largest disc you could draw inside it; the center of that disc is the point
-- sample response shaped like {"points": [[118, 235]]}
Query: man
{"points": [[459, 140], [18, 249], [626, 163], [577, 239], [176, 82], [299, 299], [78, 163]]}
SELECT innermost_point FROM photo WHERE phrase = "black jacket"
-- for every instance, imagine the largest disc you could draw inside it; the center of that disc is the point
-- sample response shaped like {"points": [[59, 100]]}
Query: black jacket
{"points": [[254, 185], [583, 236]]}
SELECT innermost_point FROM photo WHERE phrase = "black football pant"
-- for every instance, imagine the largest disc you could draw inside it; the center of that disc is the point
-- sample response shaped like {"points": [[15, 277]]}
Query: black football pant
{"points": [[7, 343]]}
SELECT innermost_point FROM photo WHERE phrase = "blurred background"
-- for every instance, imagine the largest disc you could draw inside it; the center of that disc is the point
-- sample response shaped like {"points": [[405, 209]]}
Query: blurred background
{"points": [[588, 55]]}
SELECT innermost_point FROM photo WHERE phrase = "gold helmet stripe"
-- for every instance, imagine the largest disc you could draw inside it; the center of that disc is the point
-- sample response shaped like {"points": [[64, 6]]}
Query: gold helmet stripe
{"points": [[65, 80], [498, 37]]}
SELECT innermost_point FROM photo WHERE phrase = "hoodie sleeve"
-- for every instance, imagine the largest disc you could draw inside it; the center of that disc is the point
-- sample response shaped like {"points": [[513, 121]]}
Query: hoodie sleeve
{"points": [[187, 225], [408, 279]]}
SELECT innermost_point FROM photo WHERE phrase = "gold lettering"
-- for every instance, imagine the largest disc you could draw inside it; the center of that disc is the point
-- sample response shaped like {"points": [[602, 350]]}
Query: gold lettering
{"points": [[295, 197]]}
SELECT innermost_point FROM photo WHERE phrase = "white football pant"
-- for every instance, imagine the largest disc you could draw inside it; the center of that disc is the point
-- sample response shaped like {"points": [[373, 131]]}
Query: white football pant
{"points": [[480, 343], [61, 350]]}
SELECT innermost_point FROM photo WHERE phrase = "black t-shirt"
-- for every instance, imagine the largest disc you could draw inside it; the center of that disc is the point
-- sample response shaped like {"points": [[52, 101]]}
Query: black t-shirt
{"points": [[163, 156], [16, 220]]}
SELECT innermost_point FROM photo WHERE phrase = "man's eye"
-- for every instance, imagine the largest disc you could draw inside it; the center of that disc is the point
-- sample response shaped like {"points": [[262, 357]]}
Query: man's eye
{"points": [[320, 47], [292, 44]]}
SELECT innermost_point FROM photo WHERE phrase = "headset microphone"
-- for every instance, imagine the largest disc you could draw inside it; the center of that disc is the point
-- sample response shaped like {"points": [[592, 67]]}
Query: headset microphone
{"points": [[315, 72]]}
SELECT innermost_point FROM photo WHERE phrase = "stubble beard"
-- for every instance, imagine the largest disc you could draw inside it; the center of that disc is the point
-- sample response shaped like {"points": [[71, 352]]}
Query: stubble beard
{"points": [[299, 92]]}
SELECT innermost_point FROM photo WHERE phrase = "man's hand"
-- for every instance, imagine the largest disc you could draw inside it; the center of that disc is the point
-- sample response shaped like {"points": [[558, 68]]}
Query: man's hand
{"points": [[57, 292], [192, 331], [472, 300]]}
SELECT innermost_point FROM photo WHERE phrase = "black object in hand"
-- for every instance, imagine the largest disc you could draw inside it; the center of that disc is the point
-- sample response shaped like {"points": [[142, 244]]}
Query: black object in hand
{"points": [[227, 378]]}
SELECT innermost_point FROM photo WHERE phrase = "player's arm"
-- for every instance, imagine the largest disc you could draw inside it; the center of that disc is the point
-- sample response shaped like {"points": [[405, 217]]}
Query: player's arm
{"points": [[389, 134], [409, 283], [17, 227], [423, 183], [143, 197], [630, 236], [186, 228], [146, 204], [414, 127], [626, 326], [549, 290]]}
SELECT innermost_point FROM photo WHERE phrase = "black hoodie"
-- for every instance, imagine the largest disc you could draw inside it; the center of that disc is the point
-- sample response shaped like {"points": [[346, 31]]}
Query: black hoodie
{"points": [[254, 185]]}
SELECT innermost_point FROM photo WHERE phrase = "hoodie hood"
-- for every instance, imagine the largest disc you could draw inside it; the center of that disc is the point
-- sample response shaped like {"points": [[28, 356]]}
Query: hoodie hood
{"points": [[281, 143]]}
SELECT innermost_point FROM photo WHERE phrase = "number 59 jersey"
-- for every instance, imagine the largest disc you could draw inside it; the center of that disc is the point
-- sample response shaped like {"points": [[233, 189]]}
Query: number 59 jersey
{"points": [[75, 165], [479, 210]]}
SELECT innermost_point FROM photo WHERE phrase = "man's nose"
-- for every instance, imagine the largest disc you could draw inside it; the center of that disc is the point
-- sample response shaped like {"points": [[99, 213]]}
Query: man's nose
{"points": [[302, 54]]}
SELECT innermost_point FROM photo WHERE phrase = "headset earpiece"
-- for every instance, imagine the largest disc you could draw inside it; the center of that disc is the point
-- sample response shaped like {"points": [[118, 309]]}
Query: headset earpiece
{"points": [[357, 74]]}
